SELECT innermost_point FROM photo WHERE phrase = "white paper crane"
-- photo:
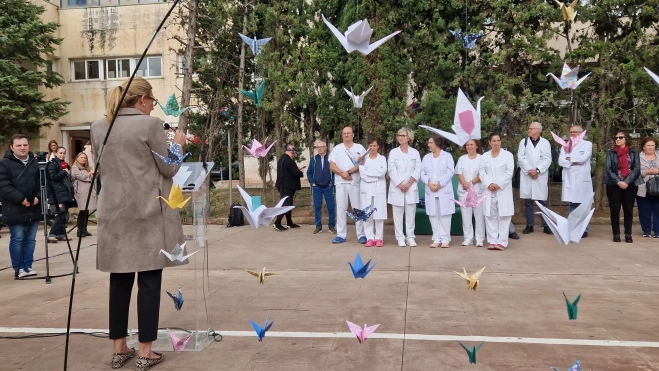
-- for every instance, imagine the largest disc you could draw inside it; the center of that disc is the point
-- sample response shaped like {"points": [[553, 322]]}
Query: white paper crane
{"points": [[652, 74], [570, 228], [262, 215], [358, 36], [466, 122], [357, 100]]}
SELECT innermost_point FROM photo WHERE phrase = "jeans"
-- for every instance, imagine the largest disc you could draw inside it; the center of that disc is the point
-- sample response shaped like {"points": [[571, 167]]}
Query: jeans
{"points": [[529, 211], [318, 194], [22, 240], [621, 197], [648, 214], [574, 206]]}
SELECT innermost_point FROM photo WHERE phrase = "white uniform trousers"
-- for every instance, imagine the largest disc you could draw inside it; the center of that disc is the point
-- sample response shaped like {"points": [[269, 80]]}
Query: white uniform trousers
{"points": [[497, 226], [345, 192], [374, 228], [467, 226], [441, 225], [410, 218]]}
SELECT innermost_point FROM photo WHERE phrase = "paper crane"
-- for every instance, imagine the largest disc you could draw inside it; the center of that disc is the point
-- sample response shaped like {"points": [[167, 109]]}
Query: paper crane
{"points": [[360, 333], [171, 108], [569, 229], [357, 100], [568, 11], [470, 198], [575, 367], [568, 78], [178, 344], [256, 95], [258, 150], [357, 37], [255, 44], [359, 269], [262, 215], [572, 309], [466, 122], [472, 281], [177, 253], [361, 214], [471, 351], [652, 74], [261, 275], [468, 40], [571, 143], [175, 200], [260, 331], [178, 299], [173, 155]]}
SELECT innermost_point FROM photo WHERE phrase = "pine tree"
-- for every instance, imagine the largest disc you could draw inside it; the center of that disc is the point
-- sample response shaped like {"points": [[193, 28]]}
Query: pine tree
{"points": [[24, 43]]}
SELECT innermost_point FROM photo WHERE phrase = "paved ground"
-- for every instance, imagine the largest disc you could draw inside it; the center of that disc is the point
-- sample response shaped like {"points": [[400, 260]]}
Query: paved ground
{"points": [[411, 291]]}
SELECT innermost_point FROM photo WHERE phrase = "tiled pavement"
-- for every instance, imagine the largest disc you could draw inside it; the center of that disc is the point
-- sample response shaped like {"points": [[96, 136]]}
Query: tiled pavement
{"points": [[411, 291]]}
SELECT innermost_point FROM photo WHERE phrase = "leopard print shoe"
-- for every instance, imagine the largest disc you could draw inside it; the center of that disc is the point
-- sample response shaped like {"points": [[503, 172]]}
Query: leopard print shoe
{"points": [[118, 359], [144, 363]]}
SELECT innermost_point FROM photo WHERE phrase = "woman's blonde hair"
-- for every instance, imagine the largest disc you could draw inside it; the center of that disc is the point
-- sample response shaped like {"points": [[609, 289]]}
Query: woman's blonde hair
{"points": [[138, 88], [86, 165], [408, 132]]}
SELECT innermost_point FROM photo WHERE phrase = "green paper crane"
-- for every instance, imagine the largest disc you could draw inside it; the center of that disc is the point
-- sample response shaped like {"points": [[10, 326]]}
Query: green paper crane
{"points": [[256, 95], [572, 309], [171, 108], [471, 351]]}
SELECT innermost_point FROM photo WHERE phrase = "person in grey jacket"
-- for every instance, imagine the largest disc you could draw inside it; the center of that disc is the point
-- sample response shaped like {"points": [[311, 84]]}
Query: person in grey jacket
{"points": [[622, 177], [648, 205]]}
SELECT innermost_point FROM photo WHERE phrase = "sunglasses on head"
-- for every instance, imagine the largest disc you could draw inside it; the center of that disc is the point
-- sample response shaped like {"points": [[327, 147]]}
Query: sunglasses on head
{"points": [[622, 137]]}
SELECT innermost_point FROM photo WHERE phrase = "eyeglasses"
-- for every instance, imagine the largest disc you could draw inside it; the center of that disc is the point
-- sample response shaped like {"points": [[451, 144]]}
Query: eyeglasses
{"points": [[402, 135], [618, 138], [575, 132], [534, 129]]}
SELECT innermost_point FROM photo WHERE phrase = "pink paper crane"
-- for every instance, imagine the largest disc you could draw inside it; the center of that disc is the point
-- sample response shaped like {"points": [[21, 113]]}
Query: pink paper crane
{"points": [[178, 344], [258, 150], [361, 334], [571, 143], [470, 198]]}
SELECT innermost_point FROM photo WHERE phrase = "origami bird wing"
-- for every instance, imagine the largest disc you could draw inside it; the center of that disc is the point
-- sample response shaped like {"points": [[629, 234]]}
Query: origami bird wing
{"points": [[358, 262], [248, 215], [250, 151], [175, 200], [246, 197], [450, 136], [168, 255], [266, 150], [578, 82], [369, 330], [255, 274], [652, 74], [186, 257], [266, 325], [476, 275], [557, 224], [558, 139], [359, 33], [467, 119], [579, 218], [365, 270], [558, 80], [249, 94], [178, 344], [339, 36], [261, 42], [377, 44], [465, 275], [361, 97], [352, 97], [257, 328], [356, 330]]}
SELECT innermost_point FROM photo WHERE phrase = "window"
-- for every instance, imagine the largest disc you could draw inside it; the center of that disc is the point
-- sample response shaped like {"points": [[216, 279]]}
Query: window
{"points": [[150, 67], [87, 70], [117, 68]]}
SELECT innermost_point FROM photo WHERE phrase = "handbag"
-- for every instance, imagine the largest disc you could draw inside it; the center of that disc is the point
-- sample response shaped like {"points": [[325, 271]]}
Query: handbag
{"points": [[652, 186]]}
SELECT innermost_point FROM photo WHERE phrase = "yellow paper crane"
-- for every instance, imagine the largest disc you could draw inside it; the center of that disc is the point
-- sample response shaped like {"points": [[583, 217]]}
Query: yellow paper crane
{"points": [[473, 280], [175, 198], [569, 14], [261, 275]]}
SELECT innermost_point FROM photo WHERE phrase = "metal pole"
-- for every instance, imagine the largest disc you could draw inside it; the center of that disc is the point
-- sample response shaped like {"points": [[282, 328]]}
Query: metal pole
{"points": [[230, 168]]}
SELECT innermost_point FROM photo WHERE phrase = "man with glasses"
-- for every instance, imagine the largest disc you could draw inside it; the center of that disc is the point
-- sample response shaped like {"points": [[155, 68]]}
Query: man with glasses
{"points": [[344, 162], [577, 183], [534, 160], [321, 180]]}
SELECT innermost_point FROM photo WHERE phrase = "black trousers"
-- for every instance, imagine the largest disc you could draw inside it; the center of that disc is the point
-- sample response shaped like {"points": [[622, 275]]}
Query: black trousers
{"points": [[287, 202], [59, 225], [148, 304], [625, 198]]}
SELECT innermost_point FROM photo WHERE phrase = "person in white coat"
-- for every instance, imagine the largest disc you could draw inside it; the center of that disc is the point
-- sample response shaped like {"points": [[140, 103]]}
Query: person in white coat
{"points": [[344, 163], [404, 172], [467, 172], [577, 183], [534, 158], [496, 173], [437, 170], [373, 192]]}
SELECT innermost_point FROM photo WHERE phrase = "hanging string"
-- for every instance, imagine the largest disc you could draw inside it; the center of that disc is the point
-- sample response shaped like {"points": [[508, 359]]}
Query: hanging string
{"points": [[466, 14], [357, 9]]}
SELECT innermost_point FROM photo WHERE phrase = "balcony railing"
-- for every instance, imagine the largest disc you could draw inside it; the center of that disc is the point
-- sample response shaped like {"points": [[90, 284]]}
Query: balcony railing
{"points": [[69, 4]]}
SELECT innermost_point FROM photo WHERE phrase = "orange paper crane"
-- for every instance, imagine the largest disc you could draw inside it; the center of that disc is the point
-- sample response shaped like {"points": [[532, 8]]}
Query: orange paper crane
{"points": [[568, 11]]}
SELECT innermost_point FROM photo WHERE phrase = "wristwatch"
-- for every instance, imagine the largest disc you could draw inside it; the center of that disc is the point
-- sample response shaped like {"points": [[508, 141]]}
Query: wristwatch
{"points": [[349, 172], [538, 170]]}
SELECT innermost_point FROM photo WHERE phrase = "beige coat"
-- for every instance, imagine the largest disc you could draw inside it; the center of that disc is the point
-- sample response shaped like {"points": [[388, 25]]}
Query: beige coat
{"points": [[90, 156], [81, 184], [133, 223]]}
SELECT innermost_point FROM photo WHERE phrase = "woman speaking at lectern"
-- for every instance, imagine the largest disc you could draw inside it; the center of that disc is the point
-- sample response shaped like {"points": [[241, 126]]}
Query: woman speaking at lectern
{"points": [[133, 223]]}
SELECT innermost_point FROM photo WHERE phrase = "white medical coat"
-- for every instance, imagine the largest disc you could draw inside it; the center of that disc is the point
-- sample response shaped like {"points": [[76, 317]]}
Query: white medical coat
{"points": [[577, 183], [531, 158], [373, 185], [442, 174], [401, 167], [499, 171]]}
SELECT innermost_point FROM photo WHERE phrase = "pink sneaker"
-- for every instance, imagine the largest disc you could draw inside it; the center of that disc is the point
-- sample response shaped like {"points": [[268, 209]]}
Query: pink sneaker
{"points": [[434, 244], [379, 243], [370, 243], [499, 247]]}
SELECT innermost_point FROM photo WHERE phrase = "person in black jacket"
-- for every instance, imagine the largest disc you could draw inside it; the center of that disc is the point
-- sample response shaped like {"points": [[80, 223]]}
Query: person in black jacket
{"points": [[60, 194], [288, 181], [622, 177], [19, 194]]}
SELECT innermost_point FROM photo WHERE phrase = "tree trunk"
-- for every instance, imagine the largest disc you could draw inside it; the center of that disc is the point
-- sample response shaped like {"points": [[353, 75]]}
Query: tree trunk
{"points": [[603, 126], [189, 63], [241, 81]]}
